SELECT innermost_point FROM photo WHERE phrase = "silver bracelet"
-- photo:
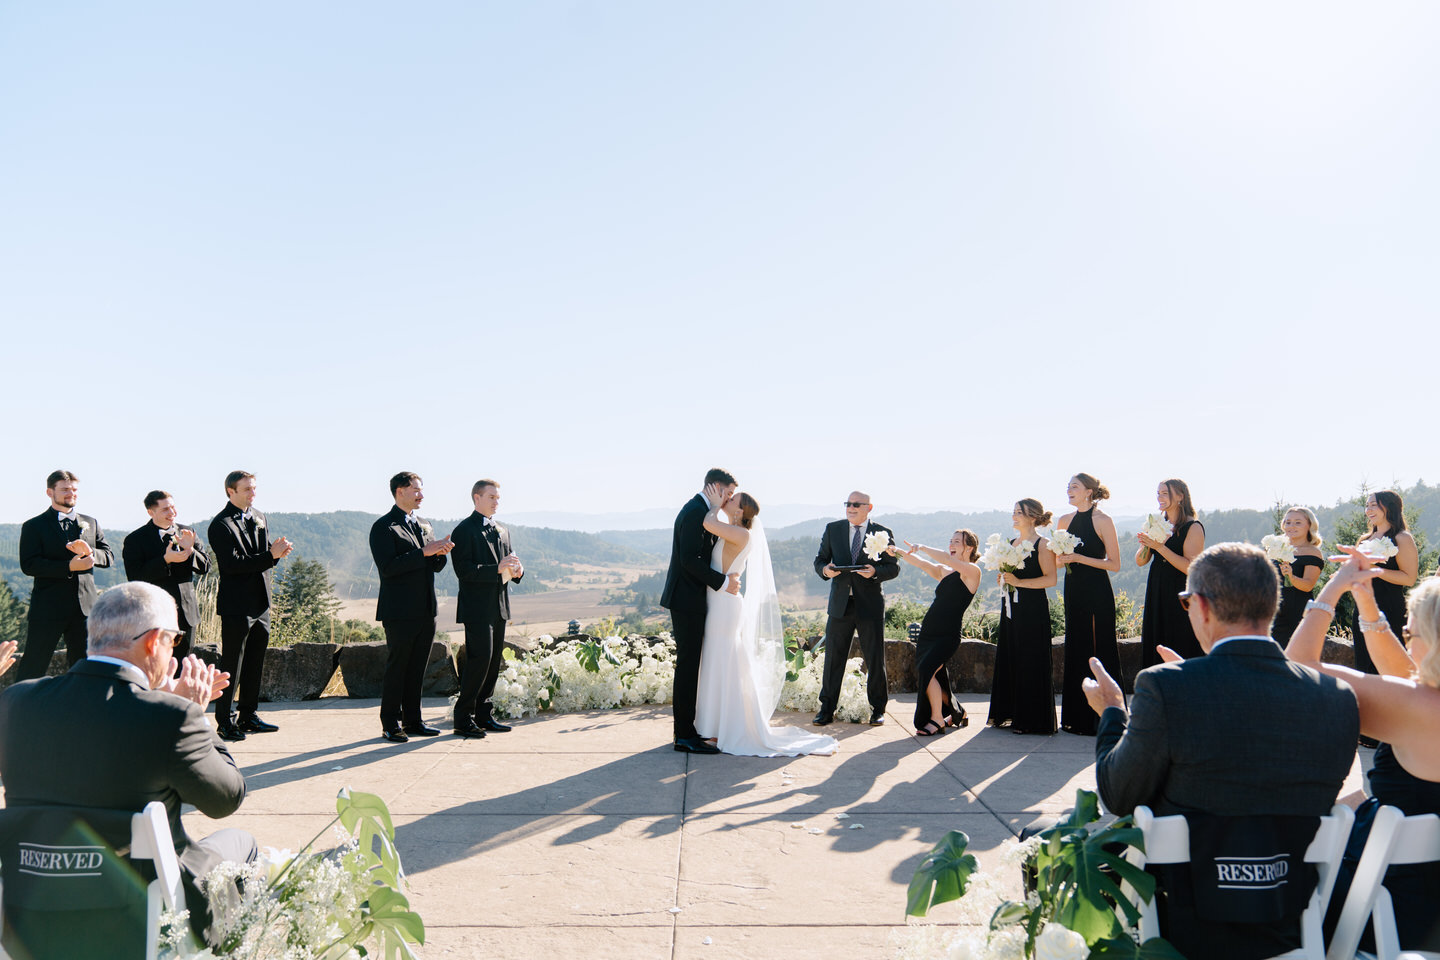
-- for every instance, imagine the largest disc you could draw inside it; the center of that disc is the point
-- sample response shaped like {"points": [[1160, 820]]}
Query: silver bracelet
{"points": [[1374, 626], [1322, 607]]}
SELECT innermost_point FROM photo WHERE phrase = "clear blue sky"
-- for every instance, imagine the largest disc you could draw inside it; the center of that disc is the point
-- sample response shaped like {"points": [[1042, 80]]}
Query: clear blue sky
{"points": [[948, 252]]}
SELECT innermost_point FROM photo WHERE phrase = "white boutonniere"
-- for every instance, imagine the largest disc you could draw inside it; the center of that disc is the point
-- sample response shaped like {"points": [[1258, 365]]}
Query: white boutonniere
{"points": [[875, 544], [1278, 548], [85, 526], [427, 530]]}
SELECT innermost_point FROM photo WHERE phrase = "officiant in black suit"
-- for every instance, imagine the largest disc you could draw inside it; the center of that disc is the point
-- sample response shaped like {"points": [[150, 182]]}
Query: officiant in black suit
{"points": [[485, 565], [169, 555], [240, 537], [60, 549], [857, 605], [685, 595], [407, 559]]}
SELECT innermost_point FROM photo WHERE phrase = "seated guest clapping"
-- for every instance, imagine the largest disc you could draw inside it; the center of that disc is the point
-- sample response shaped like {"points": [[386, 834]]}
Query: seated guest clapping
{"points": [[1241, 733], [123, 728], [1401, 709]]}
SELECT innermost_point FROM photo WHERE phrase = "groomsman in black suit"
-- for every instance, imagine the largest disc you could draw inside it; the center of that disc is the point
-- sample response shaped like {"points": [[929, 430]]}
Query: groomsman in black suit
{"points": [[407, 558], [686, 596], [485, 566], [60, 549], [168, 555], [244, 554], [857, 604]]}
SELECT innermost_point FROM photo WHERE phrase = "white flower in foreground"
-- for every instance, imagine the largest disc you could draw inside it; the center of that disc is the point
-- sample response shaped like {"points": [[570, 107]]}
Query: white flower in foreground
{"points": [[1157, 527], [1063, 541], [1278, 548], [875, 544], [1057, 943], [1381, 548]]}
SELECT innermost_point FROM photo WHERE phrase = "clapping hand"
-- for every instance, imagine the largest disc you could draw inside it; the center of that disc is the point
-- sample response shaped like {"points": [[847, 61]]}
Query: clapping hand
{"points": [[1103, 691], [196, 681], [1147, 542], [438, 547], [512, 565], [7, 654], [281, 548], [1167, 655]]}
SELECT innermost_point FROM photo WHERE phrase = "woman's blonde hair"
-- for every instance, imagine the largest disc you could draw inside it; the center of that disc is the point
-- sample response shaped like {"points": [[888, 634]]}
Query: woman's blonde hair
{"points": [[1312, 535], [1422, 616]]}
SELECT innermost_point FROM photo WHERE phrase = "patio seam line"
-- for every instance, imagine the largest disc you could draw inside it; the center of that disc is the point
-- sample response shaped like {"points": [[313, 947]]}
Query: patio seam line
{"points": [[680, 855], [426, 772]]}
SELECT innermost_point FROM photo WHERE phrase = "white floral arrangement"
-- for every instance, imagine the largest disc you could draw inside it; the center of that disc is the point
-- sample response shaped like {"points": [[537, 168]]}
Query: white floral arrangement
{"points": [[875, 544], [1277, 548], [1061, 541], [1002, 555], [1381, 548], [1156, 527], [573, 674]]}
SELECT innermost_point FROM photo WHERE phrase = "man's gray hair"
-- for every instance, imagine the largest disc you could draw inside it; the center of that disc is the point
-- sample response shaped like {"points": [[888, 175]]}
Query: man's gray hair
{"points": [[123, 613], [1237, 580]]}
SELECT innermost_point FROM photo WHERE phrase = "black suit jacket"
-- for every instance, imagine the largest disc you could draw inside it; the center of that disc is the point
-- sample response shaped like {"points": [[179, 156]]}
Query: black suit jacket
{"points": [[93, 738], [144, 555], [242, 554], [835, 548], [482, 597], [407, 576], [690, 573], [59, 592]]}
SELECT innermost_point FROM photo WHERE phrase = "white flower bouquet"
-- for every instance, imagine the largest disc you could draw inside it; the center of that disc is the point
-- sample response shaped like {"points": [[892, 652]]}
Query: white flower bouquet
{"points": [[1277, 548], [1157, 527], [875, 544], [1061, 541], [1006, 557], [1381, 548]]}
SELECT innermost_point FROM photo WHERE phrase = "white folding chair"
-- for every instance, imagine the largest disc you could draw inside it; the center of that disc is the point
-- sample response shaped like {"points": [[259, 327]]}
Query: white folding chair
{"points": [[150, 839], [1167, 840], [1394, 838]]}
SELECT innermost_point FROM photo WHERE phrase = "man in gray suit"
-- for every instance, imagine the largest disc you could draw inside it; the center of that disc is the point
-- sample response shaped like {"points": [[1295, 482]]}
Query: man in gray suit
{"points": [[1240, 733], [119, 731]]}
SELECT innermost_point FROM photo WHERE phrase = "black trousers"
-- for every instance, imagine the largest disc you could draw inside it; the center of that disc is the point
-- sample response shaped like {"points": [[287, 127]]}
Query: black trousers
{"points": [[839, 631], [408, 642], [41, 638], [688, 629], [243, 642], [484, 651]]}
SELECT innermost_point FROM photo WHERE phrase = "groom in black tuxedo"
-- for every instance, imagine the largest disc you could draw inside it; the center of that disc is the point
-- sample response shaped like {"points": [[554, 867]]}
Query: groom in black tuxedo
{"points": [[685, 596], [407, 558], [485, 566], [168, 555], [60, 549], [857, 604], [240, 538]]}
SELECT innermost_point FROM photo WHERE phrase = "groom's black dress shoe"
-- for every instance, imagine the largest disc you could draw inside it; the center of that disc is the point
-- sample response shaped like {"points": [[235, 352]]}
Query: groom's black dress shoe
{"points": [[824, 717], [421, 730], [877, 718], [494, 726], [695, 745], [394, 735], [227, 730], [469, 730], [251, 723]]}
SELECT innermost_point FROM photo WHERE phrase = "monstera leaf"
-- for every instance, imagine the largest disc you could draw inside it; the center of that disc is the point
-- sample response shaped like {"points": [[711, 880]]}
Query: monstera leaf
{"points": [[942, 875]]}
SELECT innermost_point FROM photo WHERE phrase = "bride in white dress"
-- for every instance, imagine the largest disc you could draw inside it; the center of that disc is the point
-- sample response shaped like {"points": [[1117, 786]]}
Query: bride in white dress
{"points": [[742, 659]]}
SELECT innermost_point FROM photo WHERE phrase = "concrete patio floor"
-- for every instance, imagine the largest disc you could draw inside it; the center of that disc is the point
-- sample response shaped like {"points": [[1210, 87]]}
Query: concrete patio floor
{"points": [[586, 835]]}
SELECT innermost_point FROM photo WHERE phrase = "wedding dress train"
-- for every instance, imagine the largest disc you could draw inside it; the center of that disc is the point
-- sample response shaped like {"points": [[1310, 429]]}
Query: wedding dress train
{"points": [[742, 665]]}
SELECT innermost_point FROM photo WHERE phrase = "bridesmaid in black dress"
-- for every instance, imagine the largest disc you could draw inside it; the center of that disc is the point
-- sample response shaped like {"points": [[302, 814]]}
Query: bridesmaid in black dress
{"points": [[1297, 580], [1022, 694], [935, 707], [1386, 513], [1165, 621], [1089, 599]]}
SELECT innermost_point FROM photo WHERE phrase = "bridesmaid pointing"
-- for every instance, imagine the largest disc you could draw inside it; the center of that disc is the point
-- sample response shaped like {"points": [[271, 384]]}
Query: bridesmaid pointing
{"points": [[1166, 622], [1089, 599]]}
